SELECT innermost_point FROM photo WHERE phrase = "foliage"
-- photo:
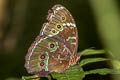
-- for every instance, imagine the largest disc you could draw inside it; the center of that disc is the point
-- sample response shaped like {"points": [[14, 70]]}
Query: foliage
{"points": [[77, 72]]}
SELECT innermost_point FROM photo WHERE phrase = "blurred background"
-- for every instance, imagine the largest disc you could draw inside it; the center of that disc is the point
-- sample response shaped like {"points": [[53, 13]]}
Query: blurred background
{"points": [[98, 23]]}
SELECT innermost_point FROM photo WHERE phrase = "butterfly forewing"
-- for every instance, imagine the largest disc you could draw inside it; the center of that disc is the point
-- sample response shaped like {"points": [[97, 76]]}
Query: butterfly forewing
{"points": [[62, 25]]}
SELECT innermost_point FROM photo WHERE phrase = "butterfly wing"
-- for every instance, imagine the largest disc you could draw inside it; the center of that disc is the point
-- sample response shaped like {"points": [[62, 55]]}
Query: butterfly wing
{"points": [[62, 25], [47, 55], [55, 49]]}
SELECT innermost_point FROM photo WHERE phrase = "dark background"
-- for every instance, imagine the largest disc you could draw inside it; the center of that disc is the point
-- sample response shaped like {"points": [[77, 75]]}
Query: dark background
{"points": [[22, 23]]}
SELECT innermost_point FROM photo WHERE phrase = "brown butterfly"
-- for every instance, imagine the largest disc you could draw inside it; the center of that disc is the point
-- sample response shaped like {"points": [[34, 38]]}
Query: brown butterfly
{"points": [[55, 48]]}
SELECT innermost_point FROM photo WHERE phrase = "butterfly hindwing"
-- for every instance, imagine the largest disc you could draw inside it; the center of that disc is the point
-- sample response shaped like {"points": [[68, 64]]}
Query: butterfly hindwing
{"points": [[47, 55]]}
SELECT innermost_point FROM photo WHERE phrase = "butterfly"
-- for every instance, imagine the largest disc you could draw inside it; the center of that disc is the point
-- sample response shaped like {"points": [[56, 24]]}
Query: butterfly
{"points": [[55, 48]]}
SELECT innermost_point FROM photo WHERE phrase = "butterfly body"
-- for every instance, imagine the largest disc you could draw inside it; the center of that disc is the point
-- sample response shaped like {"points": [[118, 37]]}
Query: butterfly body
{"points": [[55, 48]]}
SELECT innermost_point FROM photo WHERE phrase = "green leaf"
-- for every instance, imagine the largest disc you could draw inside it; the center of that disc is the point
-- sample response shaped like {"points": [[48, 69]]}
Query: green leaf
{"points": [[103, 71], [71, 74], [29, 77], [91, 60], [91, 52], [76, 72], [116, 64]]}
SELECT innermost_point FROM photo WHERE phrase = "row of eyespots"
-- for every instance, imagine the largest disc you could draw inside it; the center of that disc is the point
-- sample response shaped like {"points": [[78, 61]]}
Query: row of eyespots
{"points": [[52, 46], [58, 26], [42, 63], [57, 29], [42, 57]]}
